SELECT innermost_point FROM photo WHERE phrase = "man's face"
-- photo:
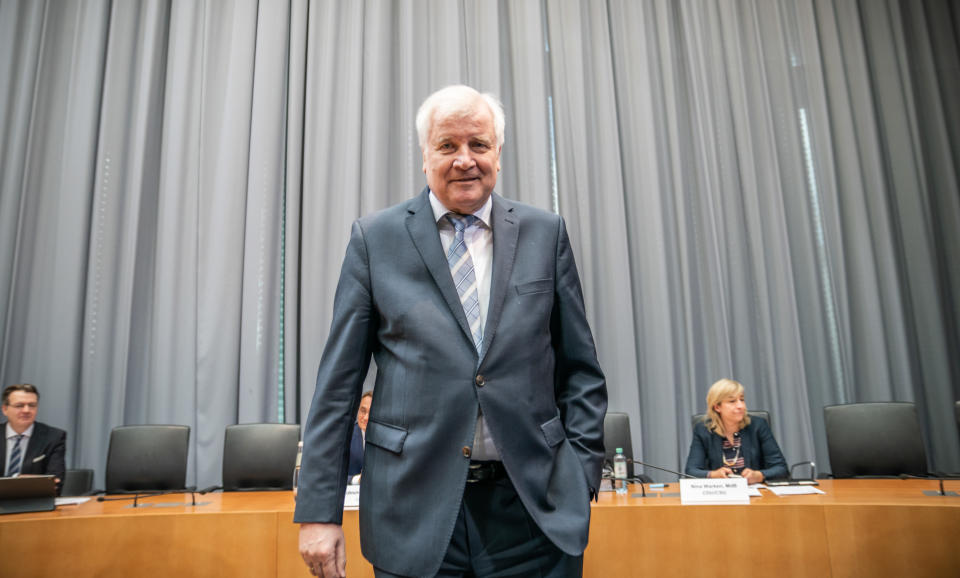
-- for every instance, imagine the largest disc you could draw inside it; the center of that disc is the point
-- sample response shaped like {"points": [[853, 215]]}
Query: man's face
{"points": [[363, 414], [461, 159], [21, 410]]}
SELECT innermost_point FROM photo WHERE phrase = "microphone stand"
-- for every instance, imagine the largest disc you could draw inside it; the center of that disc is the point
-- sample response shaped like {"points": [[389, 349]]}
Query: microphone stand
{"points": [[613, 480], [138, 494]]}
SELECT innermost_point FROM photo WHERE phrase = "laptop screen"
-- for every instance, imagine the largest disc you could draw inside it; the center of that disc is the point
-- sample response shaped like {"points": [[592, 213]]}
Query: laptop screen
{"points": [[27, 494]]}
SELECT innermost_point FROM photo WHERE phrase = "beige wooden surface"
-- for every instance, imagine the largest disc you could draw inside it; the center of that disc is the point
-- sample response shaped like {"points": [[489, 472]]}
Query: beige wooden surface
{"points": [[859, 528]]}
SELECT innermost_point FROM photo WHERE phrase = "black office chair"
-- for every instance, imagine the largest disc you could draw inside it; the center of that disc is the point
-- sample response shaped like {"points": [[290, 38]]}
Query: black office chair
{"points": [[697, 418], [147, 458], [874, 439], [77, 482], [616, 434], [956, 409], [259, 456]]}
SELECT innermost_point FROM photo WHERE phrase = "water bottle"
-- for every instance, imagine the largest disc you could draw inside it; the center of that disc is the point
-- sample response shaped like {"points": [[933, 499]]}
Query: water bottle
{"points": [[620, 472], [296, 469]]}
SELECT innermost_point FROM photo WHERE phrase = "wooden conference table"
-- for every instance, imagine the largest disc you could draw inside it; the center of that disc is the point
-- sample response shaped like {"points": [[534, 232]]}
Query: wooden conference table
{"points": [[858, 528]]}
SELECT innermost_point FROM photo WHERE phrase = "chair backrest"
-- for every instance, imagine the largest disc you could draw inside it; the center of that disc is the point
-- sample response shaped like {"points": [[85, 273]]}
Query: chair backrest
{"points": [[259, 456], [616, 434], [956, 409], [874, 439], [77, 482], [751, 412], [147, 458]]}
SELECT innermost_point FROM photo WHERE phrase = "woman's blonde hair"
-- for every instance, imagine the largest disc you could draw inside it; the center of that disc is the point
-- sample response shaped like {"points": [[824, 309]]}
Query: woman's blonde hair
{"points": [[718, 392]]}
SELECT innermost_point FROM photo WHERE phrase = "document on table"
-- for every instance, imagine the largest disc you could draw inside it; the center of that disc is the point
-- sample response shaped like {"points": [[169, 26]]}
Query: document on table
{"points": [[794, 490], [70, 501], [754, 490]]}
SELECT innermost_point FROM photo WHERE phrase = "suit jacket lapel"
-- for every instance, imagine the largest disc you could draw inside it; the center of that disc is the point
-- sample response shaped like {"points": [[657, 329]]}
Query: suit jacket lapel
{"points": [[425, 236], [34, 446], [717, 449], [506, 229]]}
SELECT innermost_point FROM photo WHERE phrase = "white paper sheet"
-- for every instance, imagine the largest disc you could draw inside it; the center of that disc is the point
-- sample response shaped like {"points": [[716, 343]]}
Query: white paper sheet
{"points": [[351, 500], [71, 501], [794, 490]]}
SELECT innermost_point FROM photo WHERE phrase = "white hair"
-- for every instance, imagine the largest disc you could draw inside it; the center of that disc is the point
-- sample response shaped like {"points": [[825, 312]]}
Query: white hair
{"points": [[457, 100]]}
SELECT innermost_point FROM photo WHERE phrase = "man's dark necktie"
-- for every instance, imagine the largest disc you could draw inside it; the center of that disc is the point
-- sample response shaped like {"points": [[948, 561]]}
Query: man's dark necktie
{"points": [[15, 457]]}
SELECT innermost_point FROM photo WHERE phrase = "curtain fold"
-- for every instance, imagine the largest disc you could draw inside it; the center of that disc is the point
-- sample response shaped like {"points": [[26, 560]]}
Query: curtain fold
{"points": [[54, 108], [591, 185]]}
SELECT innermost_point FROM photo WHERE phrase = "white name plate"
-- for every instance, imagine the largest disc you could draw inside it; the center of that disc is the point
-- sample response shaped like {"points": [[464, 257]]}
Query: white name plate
{"points": [[351, 501], [714, 491]]}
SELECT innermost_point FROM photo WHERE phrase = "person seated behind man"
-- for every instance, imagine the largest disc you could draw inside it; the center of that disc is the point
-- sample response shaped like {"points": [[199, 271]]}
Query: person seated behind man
{"points": [[31, 447], [730, 443], [359, 438]]}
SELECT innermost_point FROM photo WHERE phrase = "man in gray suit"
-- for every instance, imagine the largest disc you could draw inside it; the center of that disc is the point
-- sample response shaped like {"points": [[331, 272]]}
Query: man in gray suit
{"points": [[485, 441]]}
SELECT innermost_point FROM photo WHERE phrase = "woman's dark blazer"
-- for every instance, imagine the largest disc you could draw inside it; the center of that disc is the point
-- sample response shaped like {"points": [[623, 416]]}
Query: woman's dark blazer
{"points": [[760, 451]]}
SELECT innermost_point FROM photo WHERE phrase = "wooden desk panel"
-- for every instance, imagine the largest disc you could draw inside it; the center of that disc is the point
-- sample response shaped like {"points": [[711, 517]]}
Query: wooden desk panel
{"points": [[166, 545], [859, 528], [894, 540], [698, 540]]}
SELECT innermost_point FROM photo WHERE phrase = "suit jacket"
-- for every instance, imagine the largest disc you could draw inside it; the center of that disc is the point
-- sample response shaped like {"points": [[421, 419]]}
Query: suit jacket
{"points": [[757, 446], [356, 451], [46, 452], [537, 380]]}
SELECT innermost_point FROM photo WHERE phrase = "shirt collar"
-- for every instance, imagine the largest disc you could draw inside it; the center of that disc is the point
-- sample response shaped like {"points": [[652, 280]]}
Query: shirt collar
{"points": [[11, 435], [483, 213]]}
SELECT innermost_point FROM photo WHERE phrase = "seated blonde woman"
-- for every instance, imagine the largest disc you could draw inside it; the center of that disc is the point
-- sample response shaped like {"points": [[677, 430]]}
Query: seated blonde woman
{"points": [[729, 443]]}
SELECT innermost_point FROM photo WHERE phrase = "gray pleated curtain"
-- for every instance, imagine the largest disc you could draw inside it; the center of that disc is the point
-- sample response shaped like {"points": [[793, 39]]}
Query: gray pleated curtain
{"points": [[758, 190]]}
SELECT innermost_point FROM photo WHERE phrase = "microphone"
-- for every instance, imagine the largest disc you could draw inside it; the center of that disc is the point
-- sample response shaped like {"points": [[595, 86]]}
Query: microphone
{"points": [[149, 494], [643, 492], [135, 497], [678, 474], [939, 476], [102, 498]]}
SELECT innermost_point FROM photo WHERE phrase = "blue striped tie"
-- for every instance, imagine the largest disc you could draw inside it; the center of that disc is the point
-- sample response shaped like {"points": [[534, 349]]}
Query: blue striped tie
{"points": [[461, 267], [15, 458]]}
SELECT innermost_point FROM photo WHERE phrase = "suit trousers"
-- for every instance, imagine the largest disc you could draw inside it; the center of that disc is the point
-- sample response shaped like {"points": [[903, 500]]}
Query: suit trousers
{"points": [[495, 537]]}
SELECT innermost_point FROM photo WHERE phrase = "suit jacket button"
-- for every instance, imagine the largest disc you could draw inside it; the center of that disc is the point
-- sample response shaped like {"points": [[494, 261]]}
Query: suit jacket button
{"points": [[479, 381], [466, 451]]}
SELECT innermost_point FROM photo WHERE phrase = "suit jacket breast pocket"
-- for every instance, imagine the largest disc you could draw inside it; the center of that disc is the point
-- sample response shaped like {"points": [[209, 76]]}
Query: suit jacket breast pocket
{"points": [[538, 286], [388, 437]]}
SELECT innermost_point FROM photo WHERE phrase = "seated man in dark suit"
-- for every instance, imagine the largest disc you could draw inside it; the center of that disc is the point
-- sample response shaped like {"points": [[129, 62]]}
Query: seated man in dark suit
{"points": [[359, 438], [30, 447]]}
